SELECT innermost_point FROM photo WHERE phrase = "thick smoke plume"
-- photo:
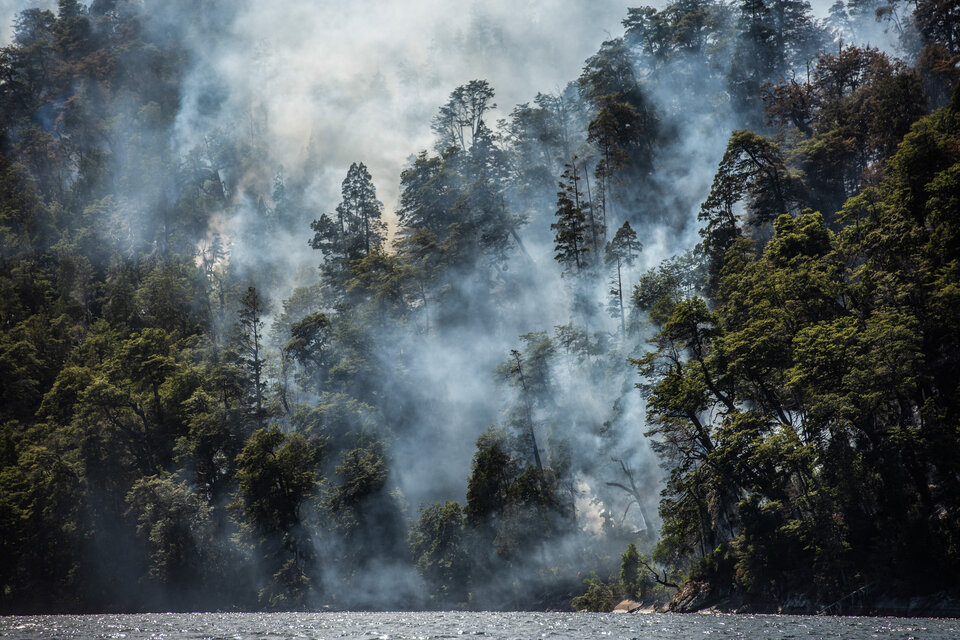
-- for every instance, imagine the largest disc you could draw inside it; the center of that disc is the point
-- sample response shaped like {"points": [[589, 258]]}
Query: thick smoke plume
{"points": [[324, 87], [361, 81]]}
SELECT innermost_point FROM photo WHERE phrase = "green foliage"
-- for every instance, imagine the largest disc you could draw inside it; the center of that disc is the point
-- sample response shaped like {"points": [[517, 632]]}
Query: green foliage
{"points": [[276, 474], [354, 232], [774, 36], [175, 522], [362, 509], [846, 118], [438, 545], [493, 471], [156, 411], [599, 598], [686, 28], [310, 346], [630, 576], [363, 474], [621, 252], [571, 228], [797, 412], [752, 173], [515, 503], [460, 120]]}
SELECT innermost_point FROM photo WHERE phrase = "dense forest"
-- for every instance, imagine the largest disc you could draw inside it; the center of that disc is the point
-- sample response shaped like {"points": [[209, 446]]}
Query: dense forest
{"points": [[689, 323]]}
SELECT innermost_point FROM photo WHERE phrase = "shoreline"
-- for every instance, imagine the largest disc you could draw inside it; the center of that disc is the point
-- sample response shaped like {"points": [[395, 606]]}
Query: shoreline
{"points": [[699, 598], [719, 608]]}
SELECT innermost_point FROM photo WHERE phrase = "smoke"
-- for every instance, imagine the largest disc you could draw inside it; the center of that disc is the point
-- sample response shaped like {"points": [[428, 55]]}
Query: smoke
{"points": [[321, 86], [361, 81], [9, 9], [314, 88]]}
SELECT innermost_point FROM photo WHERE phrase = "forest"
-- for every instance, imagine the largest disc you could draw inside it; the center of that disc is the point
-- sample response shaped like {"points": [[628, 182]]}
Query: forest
{"points": [[689, 322]]}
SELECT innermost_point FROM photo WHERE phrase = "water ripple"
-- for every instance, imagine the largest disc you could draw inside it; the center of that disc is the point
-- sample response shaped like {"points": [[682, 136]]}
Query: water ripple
{"points": [[451, 624]]}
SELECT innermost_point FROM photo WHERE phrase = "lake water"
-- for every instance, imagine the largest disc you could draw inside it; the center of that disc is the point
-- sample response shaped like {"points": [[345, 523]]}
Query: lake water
{"points": [[249, 626]]}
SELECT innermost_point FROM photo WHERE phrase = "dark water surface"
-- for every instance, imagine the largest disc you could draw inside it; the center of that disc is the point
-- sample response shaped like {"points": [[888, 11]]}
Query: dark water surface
{"points": [[250, 626]]}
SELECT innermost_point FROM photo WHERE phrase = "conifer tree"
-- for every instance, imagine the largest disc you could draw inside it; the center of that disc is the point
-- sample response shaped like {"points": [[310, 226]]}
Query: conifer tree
{"points": [[352, 232], [250, 343], [621, 252], [571, 227], [359, 213]]}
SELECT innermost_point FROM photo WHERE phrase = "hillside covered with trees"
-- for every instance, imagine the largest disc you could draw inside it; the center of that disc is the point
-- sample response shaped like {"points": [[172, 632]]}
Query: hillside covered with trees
{"points": [[690, 322]]}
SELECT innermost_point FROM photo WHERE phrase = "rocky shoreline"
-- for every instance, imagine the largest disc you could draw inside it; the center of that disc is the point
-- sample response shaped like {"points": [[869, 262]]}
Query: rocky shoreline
{"points": [[700, 597]]}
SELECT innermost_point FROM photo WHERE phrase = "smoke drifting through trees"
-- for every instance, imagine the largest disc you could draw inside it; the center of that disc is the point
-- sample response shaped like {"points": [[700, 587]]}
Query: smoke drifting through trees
{"points": [[248, 430]]}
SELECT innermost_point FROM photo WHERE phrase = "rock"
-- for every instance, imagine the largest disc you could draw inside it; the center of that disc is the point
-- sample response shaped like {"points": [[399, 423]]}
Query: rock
{"points": [[937, 605], [693, 596], [628, 606], [797, 604]]}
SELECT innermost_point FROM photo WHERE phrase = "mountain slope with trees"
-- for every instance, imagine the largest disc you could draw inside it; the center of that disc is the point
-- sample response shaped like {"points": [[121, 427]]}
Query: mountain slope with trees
{"points": [[192, 420]]}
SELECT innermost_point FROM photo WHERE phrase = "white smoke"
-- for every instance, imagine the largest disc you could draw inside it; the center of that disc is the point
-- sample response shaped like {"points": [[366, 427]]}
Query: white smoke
{"points": [[361, 81], [9, 9]]}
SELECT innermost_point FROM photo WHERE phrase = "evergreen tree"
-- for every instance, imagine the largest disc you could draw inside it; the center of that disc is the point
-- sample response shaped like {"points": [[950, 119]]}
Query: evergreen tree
{"points": [[352, 232], [250, 347], [621, 252], [359, 213], [439, 548], [571, 228], [752, 172]]}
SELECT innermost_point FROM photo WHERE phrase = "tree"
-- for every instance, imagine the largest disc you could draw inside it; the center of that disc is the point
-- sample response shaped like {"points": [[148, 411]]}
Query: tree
{"points": [[609, 72], [620, 252], [353, 232], [311, 346], [537, 138], [791, 410], [630, 571], [649, 30], [359, 212], [42, 521], [754, 60], [428, 193], [492, 471], [250, 348], [282, 205], [361, 509], [753, 170], [439, 549], [277, 473], [623, 126], [571, 228], [625, 136], [684, 29], [852, 111], [775, 37], [529, 373], [513, 507], [938, 24], [216, 431], [69, 9], [176, 524], [599, 598], [382, 280], [461, 118]]}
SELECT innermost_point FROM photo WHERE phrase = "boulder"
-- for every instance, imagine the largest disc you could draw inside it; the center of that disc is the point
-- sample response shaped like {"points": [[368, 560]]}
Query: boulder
{"points": [[628, 606], [693, 596]]}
